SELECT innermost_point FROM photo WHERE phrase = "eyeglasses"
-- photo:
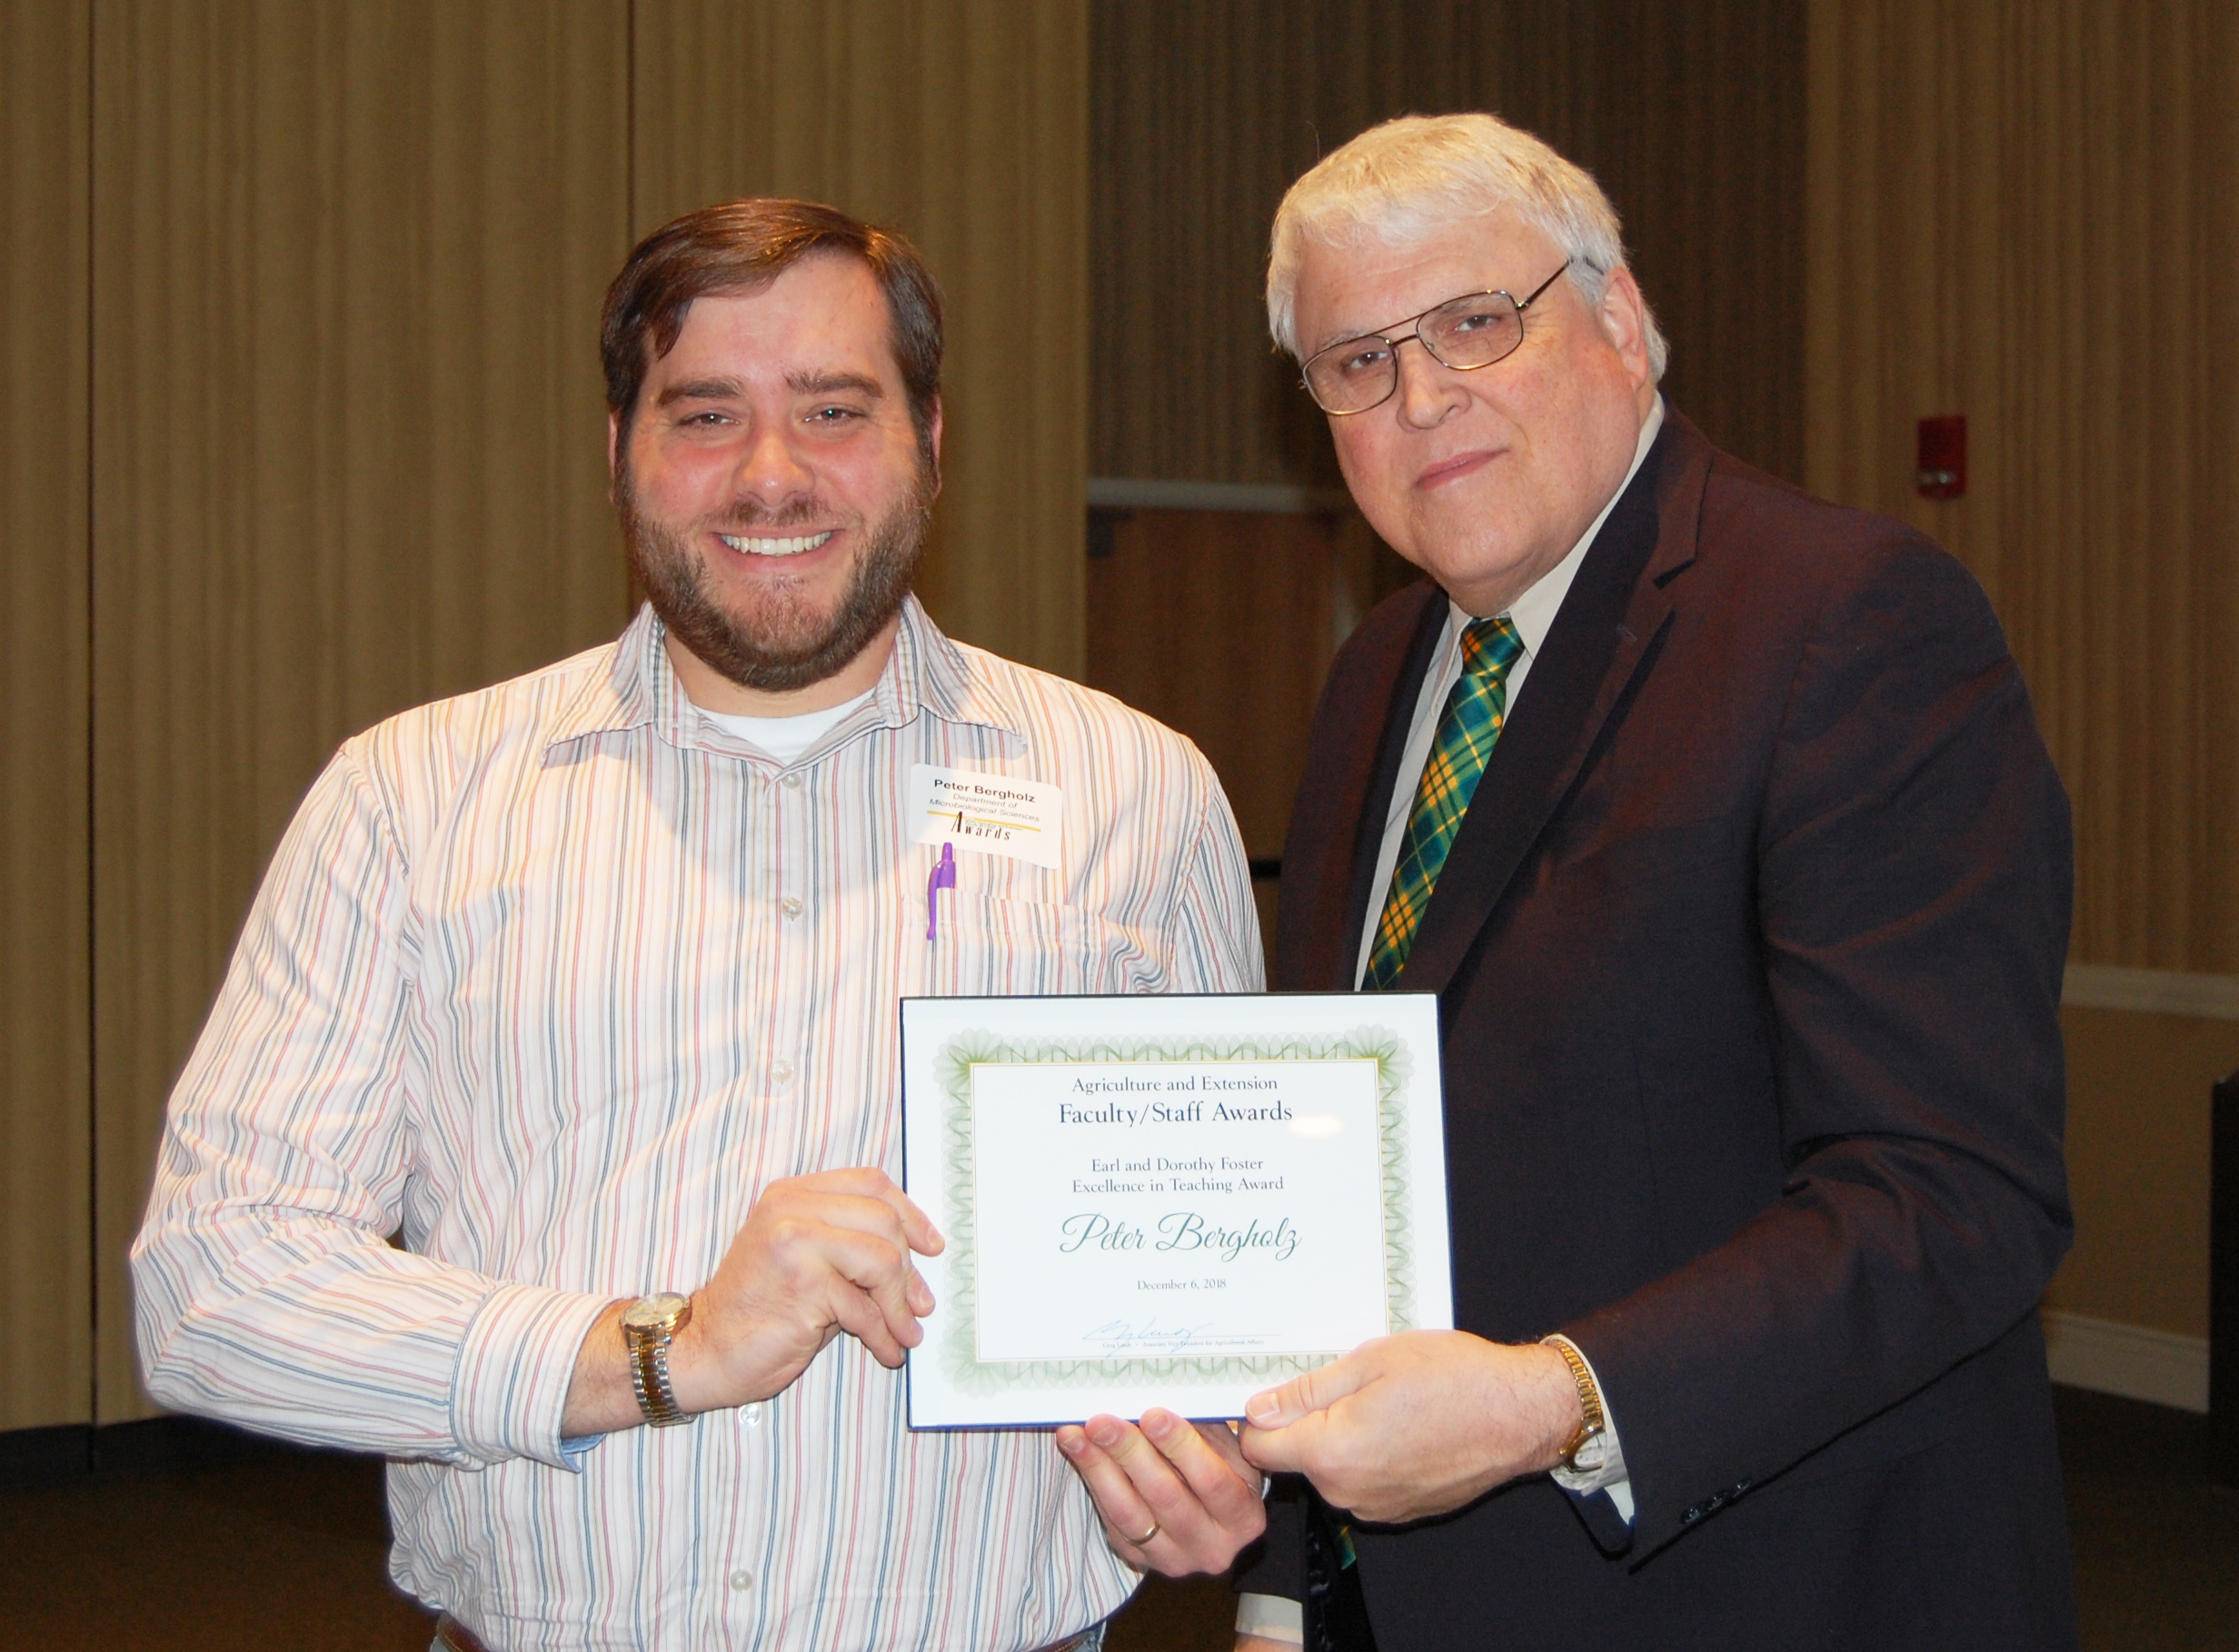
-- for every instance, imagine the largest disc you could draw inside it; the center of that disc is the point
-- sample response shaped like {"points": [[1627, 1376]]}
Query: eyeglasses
{"points": [[1464, 333]]}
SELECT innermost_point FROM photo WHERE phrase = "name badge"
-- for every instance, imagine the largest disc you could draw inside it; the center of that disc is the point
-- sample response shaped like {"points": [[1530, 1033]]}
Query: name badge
{"points": [[993, 813]]}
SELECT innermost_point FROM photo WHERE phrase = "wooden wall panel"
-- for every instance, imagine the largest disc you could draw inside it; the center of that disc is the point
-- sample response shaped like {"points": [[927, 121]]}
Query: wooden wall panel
{"points": [[963, 123], [348, 450], [2022, 211], [1220, 625], [46, 1116], [2138, 1137], [1690, 112]]}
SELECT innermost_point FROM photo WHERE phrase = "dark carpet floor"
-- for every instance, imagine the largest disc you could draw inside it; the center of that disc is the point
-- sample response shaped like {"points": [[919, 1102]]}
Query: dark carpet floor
{"points": [[270, 1549], [2156, 1546]]}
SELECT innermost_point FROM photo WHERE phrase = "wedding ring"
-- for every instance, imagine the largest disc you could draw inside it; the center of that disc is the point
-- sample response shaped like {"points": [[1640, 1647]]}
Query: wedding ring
{"points": [[1146, 1537]]}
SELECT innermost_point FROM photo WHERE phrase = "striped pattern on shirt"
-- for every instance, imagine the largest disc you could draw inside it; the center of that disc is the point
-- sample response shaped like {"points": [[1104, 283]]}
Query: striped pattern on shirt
{"points": [[549, 980]]}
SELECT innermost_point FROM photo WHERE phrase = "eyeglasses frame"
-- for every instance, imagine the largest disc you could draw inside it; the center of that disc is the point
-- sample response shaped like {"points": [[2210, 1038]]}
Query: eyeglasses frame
{"points": [[1415, 321]]}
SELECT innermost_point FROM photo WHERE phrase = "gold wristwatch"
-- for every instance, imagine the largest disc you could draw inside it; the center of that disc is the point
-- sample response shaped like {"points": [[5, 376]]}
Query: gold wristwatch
{"points": [[648, 1326], [1589, 1439]]}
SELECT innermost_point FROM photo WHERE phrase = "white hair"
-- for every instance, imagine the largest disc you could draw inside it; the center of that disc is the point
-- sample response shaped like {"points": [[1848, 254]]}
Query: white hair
{"points": [[1409, 180]]}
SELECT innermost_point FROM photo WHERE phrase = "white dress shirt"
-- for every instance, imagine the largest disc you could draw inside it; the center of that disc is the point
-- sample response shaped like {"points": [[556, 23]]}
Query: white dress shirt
{"points": [[549, 981]]}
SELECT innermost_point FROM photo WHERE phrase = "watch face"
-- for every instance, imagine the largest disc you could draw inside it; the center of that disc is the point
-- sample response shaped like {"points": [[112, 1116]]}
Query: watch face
{"points": [[654, 1313], [1592, 1454]]}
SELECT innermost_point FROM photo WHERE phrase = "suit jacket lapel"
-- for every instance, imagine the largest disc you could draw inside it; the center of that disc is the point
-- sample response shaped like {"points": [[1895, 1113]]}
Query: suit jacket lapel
{"points": [[1337, 822], [1609, 625]]}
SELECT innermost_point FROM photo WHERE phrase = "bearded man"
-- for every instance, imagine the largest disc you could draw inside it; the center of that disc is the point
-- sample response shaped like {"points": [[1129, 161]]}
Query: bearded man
{"points": [[582, 988]]}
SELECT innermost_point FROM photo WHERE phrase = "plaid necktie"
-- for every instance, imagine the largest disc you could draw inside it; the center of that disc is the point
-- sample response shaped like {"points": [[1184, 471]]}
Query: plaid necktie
{"points": [[1475, 712]]}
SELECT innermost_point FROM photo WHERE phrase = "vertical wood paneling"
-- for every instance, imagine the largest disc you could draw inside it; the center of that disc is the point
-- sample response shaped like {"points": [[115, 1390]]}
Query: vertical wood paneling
{"points": [[1692, 116], [46, 1115], [2022, 211], [1690, 112], [1219, 625], [348, 447], [963, 123]]}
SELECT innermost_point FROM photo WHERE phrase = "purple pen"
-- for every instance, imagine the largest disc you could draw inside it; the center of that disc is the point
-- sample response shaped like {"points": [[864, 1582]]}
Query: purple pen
{"points": [[944, 877]]}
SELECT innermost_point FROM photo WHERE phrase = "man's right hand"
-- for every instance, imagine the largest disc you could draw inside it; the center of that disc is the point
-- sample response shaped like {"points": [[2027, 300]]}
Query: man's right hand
{"points": [[819, 1255]]}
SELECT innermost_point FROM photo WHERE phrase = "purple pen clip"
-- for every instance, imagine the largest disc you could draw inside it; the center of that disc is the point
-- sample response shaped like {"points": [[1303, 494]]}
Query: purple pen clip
{"points": [[944, 877]]}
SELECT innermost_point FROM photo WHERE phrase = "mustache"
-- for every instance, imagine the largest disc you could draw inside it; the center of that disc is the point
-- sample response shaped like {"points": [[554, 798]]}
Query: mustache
{"points": [[745, 514]]}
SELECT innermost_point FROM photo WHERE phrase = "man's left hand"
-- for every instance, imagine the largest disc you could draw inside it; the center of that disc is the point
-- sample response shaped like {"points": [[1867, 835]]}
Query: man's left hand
{"points": [[1176, 1497], [1411, 1425]]}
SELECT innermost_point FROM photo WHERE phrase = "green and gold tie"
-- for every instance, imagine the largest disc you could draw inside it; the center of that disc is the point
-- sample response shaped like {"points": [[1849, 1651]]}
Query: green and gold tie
{"points": [[1474, 714]]}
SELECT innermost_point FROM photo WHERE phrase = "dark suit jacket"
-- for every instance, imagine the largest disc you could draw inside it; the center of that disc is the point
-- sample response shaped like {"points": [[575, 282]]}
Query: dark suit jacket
{"points": [[1748, 955]]}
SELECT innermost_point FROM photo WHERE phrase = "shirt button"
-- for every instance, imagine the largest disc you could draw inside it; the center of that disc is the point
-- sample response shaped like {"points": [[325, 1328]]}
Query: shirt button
{"points": [[790, 906], [782, 1073], [741, 1580], [751, 1414], [792, 783]]}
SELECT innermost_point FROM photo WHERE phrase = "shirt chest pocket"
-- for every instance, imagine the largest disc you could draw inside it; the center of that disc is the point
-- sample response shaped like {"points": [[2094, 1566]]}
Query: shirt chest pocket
{"points": [[990, 947]]}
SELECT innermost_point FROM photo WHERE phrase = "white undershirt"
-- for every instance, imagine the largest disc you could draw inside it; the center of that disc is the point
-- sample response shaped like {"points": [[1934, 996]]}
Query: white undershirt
{"points": [[1274, 1617], [784, 738]]}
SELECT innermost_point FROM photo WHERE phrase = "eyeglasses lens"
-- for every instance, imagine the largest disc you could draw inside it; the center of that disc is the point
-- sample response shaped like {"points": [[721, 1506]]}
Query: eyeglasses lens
{"points": [[1473, 332], [1356, 375]]}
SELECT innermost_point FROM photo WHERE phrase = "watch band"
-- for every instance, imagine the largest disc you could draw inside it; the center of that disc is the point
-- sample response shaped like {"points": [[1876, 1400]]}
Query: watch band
{"points": [[648, 1326], [1594, 1420]]}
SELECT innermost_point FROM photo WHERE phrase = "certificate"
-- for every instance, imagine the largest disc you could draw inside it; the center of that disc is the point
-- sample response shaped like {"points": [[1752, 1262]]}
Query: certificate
{"points": [[1171, 1200]]}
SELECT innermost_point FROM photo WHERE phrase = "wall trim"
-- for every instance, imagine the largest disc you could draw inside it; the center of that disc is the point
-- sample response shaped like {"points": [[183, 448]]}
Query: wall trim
{"points": [[2132, 1360], [2152, 992], [1143, 493]]}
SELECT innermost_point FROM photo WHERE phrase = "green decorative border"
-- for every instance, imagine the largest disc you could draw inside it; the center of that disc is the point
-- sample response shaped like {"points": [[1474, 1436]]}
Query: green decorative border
{"points": [[953, 1070]]}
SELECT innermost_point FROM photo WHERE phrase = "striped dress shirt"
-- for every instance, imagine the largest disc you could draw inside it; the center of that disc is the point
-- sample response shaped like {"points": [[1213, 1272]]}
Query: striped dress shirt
{"points": [[549, 981]]}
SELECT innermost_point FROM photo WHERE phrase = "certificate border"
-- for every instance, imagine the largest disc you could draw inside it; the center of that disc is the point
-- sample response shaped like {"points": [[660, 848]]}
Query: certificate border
{"points": [[952, 1065]]}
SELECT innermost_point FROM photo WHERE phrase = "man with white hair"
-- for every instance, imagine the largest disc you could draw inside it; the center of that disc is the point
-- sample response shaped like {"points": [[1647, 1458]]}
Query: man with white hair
{"points": [[1718, 817]]}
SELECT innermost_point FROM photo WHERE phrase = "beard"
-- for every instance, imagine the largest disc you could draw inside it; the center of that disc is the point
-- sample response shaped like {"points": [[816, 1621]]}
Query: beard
{"points": [[785, 643]]}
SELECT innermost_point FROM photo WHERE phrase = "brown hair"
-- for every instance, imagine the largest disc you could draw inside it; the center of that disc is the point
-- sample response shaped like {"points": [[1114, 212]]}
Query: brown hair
{"points": [[742, 246]]}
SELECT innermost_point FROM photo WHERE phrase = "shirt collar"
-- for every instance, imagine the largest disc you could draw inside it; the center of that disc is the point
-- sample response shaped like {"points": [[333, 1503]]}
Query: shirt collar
{"points": [[1533, 613], [639, 687]]}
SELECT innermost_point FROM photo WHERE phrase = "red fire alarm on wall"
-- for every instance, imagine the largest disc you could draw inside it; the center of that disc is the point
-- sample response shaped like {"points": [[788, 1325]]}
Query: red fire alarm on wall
{"points": [[1940, 470]]}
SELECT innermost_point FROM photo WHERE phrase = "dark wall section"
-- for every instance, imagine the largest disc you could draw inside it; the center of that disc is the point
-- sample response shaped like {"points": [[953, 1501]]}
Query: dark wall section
{"points": [[1690, 112]]}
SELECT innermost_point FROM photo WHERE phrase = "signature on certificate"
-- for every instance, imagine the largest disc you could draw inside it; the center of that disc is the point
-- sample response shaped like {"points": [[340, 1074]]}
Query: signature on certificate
{"points": [[1153, 1338]]}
